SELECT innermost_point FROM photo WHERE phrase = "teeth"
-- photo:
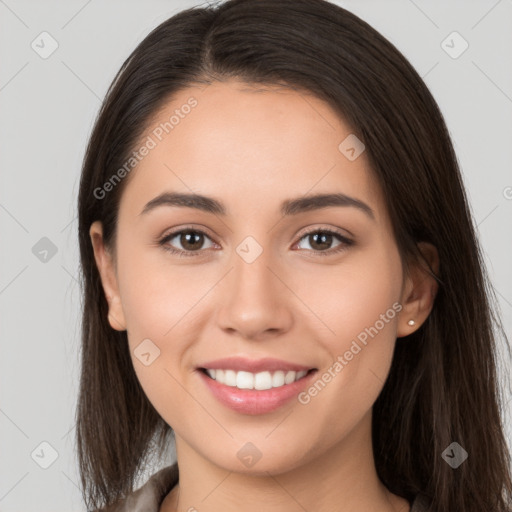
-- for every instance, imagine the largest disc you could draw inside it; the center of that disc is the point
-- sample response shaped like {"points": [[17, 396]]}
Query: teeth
{"points": [[259, 381]]}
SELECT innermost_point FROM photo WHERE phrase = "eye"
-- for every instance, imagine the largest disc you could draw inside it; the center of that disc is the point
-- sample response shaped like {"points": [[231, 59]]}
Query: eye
{"points": [[192, 241], [320, 238]]}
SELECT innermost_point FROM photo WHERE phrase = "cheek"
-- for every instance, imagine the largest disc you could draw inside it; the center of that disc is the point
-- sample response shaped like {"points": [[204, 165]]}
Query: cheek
{"points": [[361, 313], [354, 295], [160, 305], [156, 296], [161, 318]]}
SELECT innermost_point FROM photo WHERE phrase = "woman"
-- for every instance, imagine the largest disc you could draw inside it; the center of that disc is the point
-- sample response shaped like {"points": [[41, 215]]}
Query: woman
{"points": [[328, 344]]}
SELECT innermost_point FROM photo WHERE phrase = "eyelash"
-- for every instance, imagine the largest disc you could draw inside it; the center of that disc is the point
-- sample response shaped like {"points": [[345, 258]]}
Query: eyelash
{"points": [[345, 242]]}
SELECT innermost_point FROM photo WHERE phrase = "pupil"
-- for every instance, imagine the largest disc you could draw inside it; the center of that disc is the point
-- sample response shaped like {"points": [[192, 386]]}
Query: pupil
{"points": [[325, 239], [187, 238]]}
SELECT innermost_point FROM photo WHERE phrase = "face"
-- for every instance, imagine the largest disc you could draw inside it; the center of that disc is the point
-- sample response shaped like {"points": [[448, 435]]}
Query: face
{"points": [[320, 287]]}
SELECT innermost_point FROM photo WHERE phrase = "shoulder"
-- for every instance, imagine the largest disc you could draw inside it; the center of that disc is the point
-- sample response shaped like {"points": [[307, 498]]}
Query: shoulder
{"points": [[149, 497]]}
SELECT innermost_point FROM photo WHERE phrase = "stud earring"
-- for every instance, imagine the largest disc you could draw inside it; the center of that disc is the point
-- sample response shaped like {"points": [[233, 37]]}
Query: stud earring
{"points": [[411, 322]]}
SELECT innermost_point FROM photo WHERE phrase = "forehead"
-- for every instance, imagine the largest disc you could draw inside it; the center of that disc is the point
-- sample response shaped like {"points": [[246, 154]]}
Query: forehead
{"points": [[249, 145]]}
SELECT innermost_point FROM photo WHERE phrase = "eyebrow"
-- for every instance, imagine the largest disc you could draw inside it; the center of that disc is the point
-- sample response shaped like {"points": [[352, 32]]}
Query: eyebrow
{"points": [[288, 207]]}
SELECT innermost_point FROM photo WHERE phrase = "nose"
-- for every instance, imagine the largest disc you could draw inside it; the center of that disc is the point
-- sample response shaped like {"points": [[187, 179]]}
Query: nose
{"points": [[254, 301]]}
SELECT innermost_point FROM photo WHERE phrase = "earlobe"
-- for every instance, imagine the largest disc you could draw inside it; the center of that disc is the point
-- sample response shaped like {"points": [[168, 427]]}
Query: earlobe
{"points": [[108, 277], [419, 292], [116, 315]]}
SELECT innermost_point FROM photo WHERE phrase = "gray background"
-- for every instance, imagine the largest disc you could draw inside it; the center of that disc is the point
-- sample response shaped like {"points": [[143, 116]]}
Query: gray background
{"points": [[47, 110]]}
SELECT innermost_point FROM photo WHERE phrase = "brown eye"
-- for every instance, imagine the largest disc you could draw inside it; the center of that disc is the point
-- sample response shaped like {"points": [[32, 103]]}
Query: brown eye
{"points": [[321, 240], [190, 240]]}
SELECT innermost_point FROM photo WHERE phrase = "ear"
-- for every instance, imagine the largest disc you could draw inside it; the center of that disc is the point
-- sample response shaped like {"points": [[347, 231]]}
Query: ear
{"points": [[419, 291], [106, 268]]}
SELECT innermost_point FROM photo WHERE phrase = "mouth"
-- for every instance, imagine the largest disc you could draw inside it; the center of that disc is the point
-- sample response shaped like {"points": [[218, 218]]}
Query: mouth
{"points": [[247, 393], [260, 381]]}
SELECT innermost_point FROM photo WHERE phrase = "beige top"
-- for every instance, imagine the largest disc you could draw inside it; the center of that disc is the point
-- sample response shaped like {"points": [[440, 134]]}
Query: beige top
{"points": [[150, 496]]}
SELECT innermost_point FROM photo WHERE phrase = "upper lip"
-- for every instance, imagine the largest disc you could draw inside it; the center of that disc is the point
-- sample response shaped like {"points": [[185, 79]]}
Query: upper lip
{"points": [[253, 365]]}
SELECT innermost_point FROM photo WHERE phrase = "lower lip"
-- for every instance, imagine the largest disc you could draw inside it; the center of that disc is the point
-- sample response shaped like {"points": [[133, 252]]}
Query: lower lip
{"points": [[252, 401]]}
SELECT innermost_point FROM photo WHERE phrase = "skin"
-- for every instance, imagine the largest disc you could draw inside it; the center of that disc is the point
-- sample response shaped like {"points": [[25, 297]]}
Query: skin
{"points": [[252, 150]]}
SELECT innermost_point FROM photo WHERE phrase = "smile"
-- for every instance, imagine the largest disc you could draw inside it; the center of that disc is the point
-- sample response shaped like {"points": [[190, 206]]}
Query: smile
{"points": [[249, 393]]}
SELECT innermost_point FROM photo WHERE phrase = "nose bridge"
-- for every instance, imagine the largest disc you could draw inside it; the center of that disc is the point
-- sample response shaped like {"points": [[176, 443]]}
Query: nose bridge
{"points": [[255, 298], [253, 254], [252, 279]]}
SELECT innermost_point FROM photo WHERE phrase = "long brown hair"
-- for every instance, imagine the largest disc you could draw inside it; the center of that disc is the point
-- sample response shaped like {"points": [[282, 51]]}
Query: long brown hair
{"points": [[442, 386]]}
